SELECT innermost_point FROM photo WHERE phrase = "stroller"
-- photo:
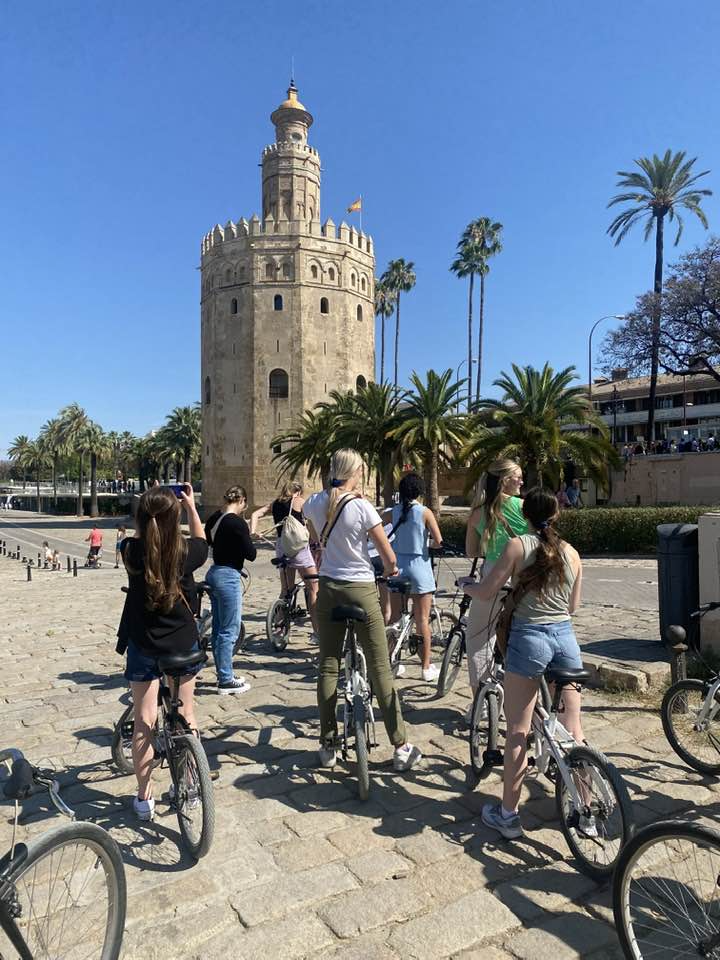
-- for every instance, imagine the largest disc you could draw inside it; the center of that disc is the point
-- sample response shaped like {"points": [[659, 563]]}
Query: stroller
{"points": [[93, 558]]}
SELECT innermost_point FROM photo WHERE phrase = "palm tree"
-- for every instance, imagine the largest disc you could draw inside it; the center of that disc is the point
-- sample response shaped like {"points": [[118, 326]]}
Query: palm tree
{"points": [[52, 440], [468, 262], [308, 446], [375, 413], [664, 186], [73, 421], [16, 452], [487, 233], [34, 457], [184, 426], [384, 308], [94, 441], [399, 278], [542, 422], [431, 431]]}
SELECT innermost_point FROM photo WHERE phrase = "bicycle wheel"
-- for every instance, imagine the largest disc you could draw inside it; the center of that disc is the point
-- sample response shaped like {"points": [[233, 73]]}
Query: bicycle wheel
{"points": [[245, 580], [194, 800], [121, 747], [451, 661], [277, 624], [241, 641], [441, 623], [205, 629], [361, 748], [698, 744], [72, 894], [665, 892], [597, 832], [484, 733]]}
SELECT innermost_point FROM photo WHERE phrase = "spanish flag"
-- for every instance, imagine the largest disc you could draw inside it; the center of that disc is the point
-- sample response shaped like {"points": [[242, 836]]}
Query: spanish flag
{"points": [[357, 205]]}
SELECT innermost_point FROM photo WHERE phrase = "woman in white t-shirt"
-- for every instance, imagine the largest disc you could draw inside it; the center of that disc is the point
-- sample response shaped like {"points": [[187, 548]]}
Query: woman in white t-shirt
{"points": [[343, 520]]}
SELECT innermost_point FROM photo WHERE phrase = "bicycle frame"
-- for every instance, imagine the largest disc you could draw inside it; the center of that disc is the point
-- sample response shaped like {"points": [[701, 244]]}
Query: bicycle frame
{"points": [[711, 706], [356, 684]]}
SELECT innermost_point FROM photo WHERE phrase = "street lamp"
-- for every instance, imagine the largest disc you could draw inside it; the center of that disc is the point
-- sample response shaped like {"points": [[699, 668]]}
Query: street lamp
{"points": [[610, 316], [457, 377]]}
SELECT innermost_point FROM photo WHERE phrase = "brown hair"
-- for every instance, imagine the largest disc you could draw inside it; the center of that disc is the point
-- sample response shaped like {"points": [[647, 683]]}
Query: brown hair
{"points": [[290, 489], [164, 547], [541, 508], [235, 494], [489, 496]]}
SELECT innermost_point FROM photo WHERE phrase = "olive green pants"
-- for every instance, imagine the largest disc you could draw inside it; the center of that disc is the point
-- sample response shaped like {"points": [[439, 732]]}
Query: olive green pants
{"points": [[372, 639]]}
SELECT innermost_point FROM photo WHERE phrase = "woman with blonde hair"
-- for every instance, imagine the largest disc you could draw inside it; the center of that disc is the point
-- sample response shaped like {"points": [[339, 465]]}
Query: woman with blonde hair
{"points": [[496, 517], [157, 617], [290, 502], [344, 520]]}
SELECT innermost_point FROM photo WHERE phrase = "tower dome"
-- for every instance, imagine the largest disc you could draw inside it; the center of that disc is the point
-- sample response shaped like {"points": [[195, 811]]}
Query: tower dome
{"points": [[291, 119]]}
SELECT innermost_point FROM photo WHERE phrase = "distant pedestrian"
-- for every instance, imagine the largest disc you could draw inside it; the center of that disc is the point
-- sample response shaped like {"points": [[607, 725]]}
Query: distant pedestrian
{"points": [[562, 497], [574, 495], [47, 554], [120, 535], [95, 538], [56, 559]]}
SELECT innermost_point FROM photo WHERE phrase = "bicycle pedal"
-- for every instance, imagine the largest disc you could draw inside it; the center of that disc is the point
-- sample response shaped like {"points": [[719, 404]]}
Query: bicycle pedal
{"points": [[493, 758]]}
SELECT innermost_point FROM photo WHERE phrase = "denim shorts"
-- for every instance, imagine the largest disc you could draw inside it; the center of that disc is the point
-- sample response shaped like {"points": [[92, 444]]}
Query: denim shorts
{"points": [[142, 668], [533, 647]]}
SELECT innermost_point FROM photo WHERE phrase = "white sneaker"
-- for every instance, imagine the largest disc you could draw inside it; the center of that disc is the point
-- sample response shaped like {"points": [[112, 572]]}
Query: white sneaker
{"points": [[431, 674], [236, 685], [144, 809], [399, 670], [327, 757], [406, 757]]}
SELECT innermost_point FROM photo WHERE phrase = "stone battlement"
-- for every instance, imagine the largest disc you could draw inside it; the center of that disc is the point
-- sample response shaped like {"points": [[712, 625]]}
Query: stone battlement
{"points": [[285, 145], [256, 228]]}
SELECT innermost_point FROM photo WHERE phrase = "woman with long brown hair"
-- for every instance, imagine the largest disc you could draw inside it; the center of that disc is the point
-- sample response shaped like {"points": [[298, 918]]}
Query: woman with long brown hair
{"points": [[546, 573], [496, 516], [158, 615]]}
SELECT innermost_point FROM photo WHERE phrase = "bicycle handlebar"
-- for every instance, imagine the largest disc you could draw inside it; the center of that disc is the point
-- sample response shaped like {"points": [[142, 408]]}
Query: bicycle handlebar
{"points": [[22, 777], [705, 608]]}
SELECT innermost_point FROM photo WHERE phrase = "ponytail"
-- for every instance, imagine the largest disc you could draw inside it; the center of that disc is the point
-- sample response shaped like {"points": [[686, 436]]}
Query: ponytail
{"points": [[490, 497], [164, 548], [343, 465], [541, 508]]}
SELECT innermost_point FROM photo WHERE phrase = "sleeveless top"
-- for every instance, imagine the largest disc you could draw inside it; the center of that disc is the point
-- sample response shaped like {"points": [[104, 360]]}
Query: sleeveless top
{"points": [[552, 606], [280, 510], [411, 537], [512, 512]]}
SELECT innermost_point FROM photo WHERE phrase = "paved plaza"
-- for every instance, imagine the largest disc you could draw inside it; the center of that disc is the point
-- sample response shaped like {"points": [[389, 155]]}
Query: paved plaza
{"points": [[299, 867]]}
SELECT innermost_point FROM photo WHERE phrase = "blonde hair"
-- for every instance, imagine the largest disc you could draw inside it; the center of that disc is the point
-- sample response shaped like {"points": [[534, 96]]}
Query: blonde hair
{"points": [[290, 489], [343, 465], [489, 496]]}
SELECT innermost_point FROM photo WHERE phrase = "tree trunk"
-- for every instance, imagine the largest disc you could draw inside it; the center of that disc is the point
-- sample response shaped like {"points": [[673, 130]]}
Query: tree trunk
{"points": [[655, 342], [397, 336], [431, 482], [37, 488], [80, 512], [166, 472], [469, 356], [481, 324], [382, 348], [387, 483], [187, 466], [93, 485], [55, 470]]}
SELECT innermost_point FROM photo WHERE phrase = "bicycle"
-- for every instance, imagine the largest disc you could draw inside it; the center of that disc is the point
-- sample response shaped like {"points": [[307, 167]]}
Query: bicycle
{"points": [[690, 709], [64, 891], [592, 800], [284, 611], [455, 644], [175, 744], [665, 892], [204, 617], [358, 716]]}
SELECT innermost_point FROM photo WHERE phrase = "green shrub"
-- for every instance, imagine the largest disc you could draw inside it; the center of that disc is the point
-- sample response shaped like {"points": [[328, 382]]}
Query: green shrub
{"points": [[599, 529]]}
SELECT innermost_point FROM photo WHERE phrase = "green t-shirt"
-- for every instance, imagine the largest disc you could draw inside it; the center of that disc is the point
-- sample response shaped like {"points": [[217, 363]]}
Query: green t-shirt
{"points": [[512, 511]]}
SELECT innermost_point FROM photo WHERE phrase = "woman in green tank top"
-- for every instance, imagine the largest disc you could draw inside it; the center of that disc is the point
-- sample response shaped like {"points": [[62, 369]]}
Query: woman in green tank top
{"points": [[495, 518]]}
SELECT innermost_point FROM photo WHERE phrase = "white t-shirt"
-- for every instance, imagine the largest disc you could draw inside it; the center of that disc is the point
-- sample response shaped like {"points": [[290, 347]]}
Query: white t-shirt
{"points": [[346, 555]]}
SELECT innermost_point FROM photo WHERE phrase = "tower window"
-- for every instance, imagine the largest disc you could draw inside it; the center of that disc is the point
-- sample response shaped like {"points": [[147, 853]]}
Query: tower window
{"points": [[278, 385], [313, 272], [277, 302], [208, 392], [287, 271], [360, 383], [324, 305], [331, 274], [233, 305], [363, 285], [269, 271], [228, 276], [359, 312], [352, 279]]}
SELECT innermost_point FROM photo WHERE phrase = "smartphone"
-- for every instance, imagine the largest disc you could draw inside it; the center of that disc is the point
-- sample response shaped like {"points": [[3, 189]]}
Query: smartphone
{"points": [[177, 489]]}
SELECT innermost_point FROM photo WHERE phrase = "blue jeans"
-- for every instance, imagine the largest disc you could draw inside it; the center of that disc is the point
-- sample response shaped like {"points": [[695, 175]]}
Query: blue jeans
{"points": [[226, 600]]}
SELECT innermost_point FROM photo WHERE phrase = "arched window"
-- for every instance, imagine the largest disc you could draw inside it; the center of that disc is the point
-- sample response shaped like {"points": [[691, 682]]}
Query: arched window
{"points": [[277, 302], [228, 276], [363, 285], [353, 279], [278, 385], [324, 305], [269, 271], [208, 392], [287, 271], [359, 312], [233, 305], [313, 272], [360, 383], [331, 274]]}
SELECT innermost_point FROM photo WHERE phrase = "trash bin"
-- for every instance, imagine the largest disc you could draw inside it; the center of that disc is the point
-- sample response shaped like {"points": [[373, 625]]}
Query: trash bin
{"points": [[678, 574]]}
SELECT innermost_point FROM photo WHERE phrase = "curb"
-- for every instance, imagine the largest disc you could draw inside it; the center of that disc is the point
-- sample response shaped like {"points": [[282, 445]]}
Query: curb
{"points": [[632, 676]]}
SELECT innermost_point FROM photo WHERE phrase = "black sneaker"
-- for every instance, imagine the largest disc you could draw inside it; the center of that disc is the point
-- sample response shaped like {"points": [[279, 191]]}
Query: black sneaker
{"points": [[236, 685]]}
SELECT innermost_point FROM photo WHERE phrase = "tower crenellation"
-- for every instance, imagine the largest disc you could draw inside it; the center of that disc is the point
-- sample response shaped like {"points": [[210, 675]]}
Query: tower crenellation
{"points": [[287, 313]]}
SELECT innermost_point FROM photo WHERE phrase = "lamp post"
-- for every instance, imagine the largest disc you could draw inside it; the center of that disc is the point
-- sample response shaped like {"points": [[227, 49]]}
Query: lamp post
{"points": [[457, 377], [615, 402], [609, 316]]}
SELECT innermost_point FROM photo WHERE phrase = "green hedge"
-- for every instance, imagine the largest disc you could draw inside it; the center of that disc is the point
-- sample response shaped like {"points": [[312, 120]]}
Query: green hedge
{"points": [[600, 529]]}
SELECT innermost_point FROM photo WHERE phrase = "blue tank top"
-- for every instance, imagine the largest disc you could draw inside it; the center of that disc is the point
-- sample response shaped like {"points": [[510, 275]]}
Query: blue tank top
{"points": [[411, 537]]}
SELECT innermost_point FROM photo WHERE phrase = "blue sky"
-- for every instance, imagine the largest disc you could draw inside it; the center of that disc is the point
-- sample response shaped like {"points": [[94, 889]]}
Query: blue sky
{"points": [[130, 129]]}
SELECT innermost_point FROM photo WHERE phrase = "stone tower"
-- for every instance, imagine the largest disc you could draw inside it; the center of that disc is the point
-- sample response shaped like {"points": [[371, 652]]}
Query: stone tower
{"points": [[287, 314]]}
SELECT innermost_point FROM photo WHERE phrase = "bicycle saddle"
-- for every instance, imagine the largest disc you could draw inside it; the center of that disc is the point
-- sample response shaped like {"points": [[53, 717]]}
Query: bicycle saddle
{"points": [[563, 677], [177, 664], [279, 562], [398, 584], [348, 611]]}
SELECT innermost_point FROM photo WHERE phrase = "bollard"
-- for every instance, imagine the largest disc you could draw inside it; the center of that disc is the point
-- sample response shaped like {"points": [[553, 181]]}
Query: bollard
{"points": [[74, 568], [29, 573], [39, 561], [24, 559], [68, 565]]}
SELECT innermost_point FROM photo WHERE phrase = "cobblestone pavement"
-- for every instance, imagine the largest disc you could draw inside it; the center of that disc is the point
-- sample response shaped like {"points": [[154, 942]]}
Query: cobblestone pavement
{"points": [[299, 867]]}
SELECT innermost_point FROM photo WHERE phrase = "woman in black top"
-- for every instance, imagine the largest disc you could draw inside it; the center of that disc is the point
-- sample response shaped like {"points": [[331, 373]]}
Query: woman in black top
{"points": [[289, 501], [229, 536], [157, 617]]}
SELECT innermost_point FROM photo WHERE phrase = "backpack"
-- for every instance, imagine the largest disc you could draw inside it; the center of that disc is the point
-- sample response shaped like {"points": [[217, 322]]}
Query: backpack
{"points": [[294, 535]]}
